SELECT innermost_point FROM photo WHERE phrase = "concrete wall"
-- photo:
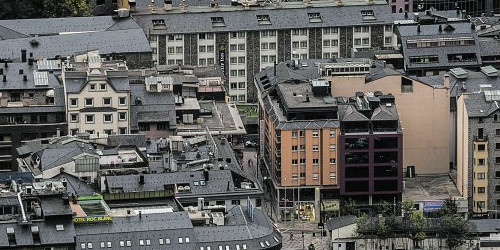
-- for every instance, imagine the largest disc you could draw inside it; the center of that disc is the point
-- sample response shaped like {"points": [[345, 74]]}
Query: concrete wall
{"points": [[423, 115]]}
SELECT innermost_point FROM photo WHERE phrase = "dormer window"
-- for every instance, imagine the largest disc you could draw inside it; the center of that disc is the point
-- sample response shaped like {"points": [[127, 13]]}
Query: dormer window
{"points": [[263, 19], [158, 22], [218, 22], [315, 17], [367, 12], [368, 15]]}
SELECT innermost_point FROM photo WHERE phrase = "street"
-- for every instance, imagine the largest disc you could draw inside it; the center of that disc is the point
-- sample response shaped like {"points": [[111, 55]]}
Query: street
{"points": [[292, 233]]}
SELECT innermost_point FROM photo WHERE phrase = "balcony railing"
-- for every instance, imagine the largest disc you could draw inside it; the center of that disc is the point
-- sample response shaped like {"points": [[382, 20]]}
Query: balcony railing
{"points": [[480, 138]]}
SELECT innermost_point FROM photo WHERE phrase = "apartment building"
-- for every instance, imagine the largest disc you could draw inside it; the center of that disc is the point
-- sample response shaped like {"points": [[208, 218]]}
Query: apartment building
{"points": [[204, 35], [426, 126], [371, 148], [305, 144], [31, 104], [434, 49], [97, 96], [477, 115]]}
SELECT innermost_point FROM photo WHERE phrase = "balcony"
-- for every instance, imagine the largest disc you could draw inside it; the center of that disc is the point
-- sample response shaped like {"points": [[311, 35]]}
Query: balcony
{"points": [[480, 138]]}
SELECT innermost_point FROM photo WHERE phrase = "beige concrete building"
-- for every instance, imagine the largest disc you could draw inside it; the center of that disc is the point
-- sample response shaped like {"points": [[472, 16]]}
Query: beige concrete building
{"points": [[423, 108], [97, 96]]}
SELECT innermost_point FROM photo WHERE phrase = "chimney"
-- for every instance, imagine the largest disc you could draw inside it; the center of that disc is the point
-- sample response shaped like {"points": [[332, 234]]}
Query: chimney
{"points": [[141, 179], [6, 65], [21, 71], [307, 98], [140, 214], [472, 26], [406, 14], [228, 184], [23, 55], [4, 78], [275, 64], [458, 11], [30, 61], [201, 202], [58, 132], [25, 78], [1, 71], [168, 4], [440, 28], [446, 81], [418, 28], [205, 174]]}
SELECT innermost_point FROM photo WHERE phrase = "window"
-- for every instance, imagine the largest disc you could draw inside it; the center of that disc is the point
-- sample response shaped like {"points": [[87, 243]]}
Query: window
{"points": [[241, 60], [108, 118], [202, 48], [315, 176], [315, 147], [122, 243], [122, 131], [480, 162], [89, 118], [233, 72], [481, 190], [83, 246], [241, 98], [217, 22], [294, 148], [92, 87], [302, 161], [89, 101], [406, 85], [233, 60], [108, 131], [210, 61], [129, 243], [141, 242], [264, 46], [366, 41], [480, 176], [122, 100], [388, 28], [365, 29], [357, 29], [148, 242], [106, 101], [241, 85], [357, 41], [294, 134], [497, 160], [203, 61], [495, 118], [333, 175], [232, 47], [315, 133], [263, 19], [264, 59], [497, 132], [272, 46], [167, 241], [332, 147], [294, 161], [241, 47], [481, 147], [302, 175], [180, 240], [187, 239], [388, 40], [480, 204], [315, 161], [210, 48], [303, 44], [302, 133], [74, 102], [241, 72], [74, 117], [497, 174], [102, 86], [497, 146], [89, 245], [122, 116], [295, 45], [332, 160], [332, 133]]}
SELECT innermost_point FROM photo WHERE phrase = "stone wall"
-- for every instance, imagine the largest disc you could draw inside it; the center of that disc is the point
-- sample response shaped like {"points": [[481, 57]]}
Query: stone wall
{"points": [[253, 63]]}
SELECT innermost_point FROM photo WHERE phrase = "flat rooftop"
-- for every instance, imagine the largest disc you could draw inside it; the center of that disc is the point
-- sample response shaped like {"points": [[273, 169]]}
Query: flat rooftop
{"points": [[429, 188]]}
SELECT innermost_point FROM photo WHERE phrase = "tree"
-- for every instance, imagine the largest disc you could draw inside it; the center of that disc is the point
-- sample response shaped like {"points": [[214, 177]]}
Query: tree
{"points": [[63, 8], [455, 229]]}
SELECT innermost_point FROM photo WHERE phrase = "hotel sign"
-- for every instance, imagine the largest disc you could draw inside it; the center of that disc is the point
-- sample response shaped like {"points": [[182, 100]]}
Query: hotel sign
{"points": [[92, 219], [222, 59]]}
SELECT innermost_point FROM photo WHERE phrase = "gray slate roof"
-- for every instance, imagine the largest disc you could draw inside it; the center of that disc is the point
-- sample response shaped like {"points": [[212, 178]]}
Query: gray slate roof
{"points": [[284, 18], [342, 221], [48, 234], [477, 106], [155, 107], [485, 226]]}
